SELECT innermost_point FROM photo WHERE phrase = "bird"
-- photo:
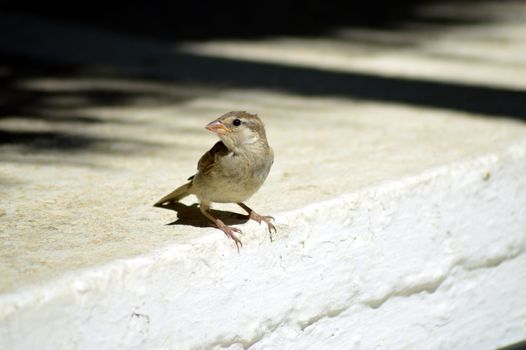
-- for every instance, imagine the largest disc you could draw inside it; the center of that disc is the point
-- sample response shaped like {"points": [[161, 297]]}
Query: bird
{"points": [[231, 171]]}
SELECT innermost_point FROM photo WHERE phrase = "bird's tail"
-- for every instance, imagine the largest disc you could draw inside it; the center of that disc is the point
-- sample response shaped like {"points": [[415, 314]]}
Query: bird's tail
{"points": [[176, 195]]}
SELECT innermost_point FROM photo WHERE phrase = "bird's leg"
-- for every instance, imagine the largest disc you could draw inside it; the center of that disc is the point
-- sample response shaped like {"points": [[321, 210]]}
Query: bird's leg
{"points": [[256, 217], [229, 231]]}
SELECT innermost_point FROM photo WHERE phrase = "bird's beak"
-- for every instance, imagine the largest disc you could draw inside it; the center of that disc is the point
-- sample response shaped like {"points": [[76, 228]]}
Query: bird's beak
{"points": [[218, 128]]}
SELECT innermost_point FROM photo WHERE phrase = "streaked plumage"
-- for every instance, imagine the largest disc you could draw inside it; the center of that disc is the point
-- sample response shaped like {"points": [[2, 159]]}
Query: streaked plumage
{"points": [[232, 170]]}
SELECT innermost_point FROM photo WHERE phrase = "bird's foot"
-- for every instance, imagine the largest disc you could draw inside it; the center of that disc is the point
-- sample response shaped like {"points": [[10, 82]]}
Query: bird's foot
{"points": [[266, 219], [230, 232]]}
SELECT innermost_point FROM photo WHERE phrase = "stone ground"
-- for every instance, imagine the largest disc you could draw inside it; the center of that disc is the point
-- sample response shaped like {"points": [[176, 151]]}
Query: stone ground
{"points": [[95, 127]]}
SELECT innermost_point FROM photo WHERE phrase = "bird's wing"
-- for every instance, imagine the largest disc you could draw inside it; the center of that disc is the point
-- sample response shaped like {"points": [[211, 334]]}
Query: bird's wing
{"points": [[207, 161]]}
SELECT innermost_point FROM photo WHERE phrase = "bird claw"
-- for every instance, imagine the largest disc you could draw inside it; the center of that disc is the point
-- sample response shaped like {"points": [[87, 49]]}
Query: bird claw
{"points": [[269, 224], [230, 233], [270, 228], [268, 217], [265, 218]]}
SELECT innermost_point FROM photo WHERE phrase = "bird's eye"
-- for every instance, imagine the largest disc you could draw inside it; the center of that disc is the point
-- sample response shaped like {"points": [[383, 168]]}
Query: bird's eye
{"points": [[236, 122]]}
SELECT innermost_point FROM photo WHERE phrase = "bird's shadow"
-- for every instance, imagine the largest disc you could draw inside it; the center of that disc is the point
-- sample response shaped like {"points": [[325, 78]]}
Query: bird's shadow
{"points": [[192, 216]]}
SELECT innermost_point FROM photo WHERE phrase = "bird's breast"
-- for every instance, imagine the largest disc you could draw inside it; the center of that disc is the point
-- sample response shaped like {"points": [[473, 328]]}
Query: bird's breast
{"points": [[235, 178]]}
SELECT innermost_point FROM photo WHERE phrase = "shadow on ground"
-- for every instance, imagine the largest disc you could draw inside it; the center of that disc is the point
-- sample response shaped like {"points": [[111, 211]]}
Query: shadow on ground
{"points": [[60, 99], [191, 215], [208, 20]]}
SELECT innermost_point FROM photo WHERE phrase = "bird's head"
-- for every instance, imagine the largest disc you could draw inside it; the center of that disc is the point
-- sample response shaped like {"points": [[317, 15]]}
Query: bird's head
{"points": [[239, 129]]}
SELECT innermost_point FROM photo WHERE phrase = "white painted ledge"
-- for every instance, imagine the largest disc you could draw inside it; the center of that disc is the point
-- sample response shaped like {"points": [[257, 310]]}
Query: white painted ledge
{"points": [[435, 260]]}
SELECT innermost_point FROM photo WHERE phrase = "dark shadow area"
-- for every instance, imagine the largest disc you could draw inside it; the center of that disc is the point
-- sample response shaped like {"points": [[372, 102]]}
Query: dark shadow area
{"points": [[207, 19], [468, 98], [517, 346], [161, 61], [170, 66], [191, 215], [20, 101], [47, 140], [17, 98], [65, 49], [57, 141]]}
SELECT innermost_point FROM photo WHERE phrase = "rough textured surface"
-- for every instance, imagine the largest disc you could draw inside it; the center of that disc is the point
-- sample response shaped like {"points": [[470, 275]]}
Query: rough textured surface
{"points": [[395, 216], [423, 256], [96, 205]]}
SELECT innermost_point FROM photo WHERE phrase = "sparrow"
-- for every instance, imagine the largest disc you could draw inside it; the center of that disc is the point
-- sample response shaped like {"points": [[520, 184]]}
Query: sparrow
{"points": [[231, 171]]}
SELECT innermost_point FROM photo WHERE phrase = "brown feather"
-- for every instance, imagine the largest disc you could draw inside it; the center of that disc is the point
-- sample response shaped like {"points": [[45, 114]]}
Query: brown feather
{"points": [[175, 195], [207, 161]]}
